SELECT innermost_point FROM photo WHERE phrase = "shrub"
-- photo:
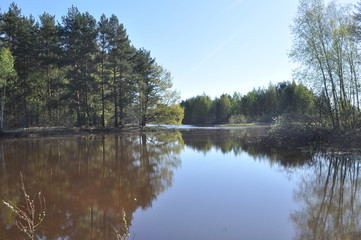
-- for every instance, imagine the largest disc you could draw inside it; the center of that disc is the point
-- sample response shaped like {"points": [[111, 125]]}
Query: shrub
{"points": [[234, 119]]}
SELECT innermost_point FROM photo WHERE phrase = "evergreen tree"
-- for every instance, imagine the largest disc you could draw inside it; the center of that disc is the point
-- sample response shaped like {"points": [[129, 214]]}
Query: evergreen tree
{"points": [[79, 36], [119, 61], [20, 36], [49, 59], [62, 69], [103, 29]]}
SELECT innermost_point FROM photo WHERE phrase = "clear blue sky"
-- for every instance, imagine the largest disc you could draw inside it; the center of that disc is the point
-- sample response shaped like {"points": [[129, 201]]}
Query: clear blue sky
{"points": [[210, 46]]}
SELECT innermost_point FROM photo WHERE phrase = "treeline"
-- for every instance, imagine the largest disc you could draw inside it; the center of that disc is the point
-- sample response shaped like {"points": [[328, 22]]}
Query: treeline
{"points": [[261, 105], [326, 47], [80, 72]]}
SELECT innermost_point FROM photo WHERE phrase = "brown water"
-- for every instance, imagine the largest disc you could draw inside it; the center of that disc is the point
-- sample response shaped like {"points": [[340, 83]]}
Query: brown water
{"points": [[193, 184]]}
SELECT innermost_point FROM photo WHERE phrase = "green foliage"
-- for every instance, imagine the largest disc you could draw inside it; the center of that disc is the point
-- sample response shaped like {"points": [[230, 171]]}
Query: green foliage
{"points": [[325, 43], [223, 108], [155, 102], [234, 119], [165, 114], [197, 109], [7, 71], [261, 105], [7, 77], [123, 81], [81, 72]]}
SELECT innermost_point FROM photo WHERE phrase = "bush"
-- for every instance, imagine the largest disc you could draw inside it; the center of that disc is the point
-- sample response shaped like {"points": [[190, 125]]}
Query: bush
{"points": [[299, 130], [234, 119]]}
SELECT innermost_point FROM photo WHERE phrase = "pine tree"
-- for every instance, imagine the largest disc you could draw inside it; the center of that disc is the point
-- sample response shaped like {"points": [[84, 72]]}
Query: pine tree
{"points": [[103, 29], [49, 58], [119, 62], [20, 36], [79, 38]]}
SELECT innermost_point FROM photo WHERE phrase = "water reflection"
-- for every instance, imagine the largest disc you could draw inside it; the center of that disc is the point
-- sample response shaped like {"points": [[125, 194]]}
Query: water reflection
{"points": [[328, 193], [238, 141], [329, 198], [87, 181]]}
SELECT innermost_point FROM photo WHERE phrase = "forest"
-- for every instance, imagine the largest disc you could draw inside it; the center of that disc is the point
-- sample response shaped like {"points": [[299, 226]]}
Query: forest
{"points": [[326, 49], [80, 72], [261, 105]]}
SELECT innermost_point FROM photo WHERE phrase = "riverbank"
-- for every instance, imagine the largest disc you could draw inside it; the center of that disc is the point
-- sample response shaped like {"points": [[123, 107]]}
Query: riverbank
{"points": [[298, 136], [66, 131], [270, 135]]}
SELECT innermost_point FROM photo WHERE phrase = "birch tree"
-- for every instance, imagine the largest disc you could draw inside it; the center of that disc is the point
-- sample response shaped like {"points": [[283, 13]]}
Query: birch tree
{"points": [[325, 48], [7, 74]]}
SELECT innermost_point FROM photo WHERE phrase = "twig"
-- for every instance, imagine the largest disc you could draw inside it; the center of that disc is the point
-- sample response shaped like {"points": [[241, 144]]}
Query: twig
{"points": [[27, 220]]}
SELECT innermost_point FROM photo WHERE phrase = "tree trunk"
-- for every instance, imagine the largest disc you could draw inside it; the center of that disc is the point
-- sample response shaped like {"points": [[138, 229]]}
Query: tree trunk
{"points": [[103, 120], [86, 94], [3, 107], [115, 100], [78, 108]]}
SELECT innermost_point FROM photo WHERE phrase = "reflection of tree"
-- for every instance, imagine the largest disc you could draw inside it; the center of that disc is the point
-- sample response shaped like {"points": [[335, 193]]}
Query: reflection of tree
{"points": [[243, 140], [330, 197], [88, 181]]}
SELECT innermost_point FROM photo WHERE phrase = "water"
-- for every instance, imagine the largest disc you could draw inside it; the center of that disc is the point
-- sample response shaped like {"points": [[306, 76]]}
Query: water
{"points": [[187, 184]]}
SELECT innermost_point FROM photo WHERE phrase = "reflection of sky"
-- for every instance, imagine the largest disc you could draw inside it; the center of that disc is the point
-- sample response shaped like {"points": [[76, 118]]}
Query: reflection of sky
{"points": [[204, 127], [220, 196]]}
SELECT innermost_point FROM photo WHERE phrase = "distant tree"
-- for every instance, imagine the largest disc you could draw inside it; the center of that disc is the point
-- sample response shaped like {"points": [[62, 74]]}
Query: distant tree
{"points": [[223, 109], [239, 118], [187, 105], [271, 104], [236, 103], [201, 108], [304, 101], [250, 106]]}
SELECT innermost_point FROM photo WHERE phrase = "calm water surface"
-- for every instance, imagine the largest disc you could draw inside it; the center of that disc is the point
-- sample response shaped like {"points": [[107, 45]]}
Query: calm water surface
{"points": [[187, 184]]}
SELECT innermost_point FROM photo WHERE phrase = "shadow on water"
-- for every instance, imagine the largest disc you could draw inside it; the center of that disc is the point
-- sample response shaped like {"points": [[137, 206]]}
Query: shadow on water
{"points": [[89, 181]]}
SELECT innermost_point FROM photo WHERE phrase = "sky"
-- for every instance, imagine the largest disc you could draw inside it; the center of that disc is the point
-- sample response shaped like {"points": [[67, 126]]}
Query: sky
{"points": [[209, 46]]}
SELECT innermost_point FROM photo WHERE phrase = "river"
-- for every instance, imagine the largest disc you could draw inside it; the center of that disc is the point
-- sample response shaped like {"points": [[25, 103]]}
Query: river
{"points": [[192, 183]]}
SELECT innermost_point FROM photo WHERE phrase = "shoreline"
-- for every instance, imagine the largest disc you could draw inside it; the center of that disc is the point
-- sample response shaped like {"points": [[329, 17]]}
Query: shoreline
{"points": [[341, 139], [66, 131]]}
